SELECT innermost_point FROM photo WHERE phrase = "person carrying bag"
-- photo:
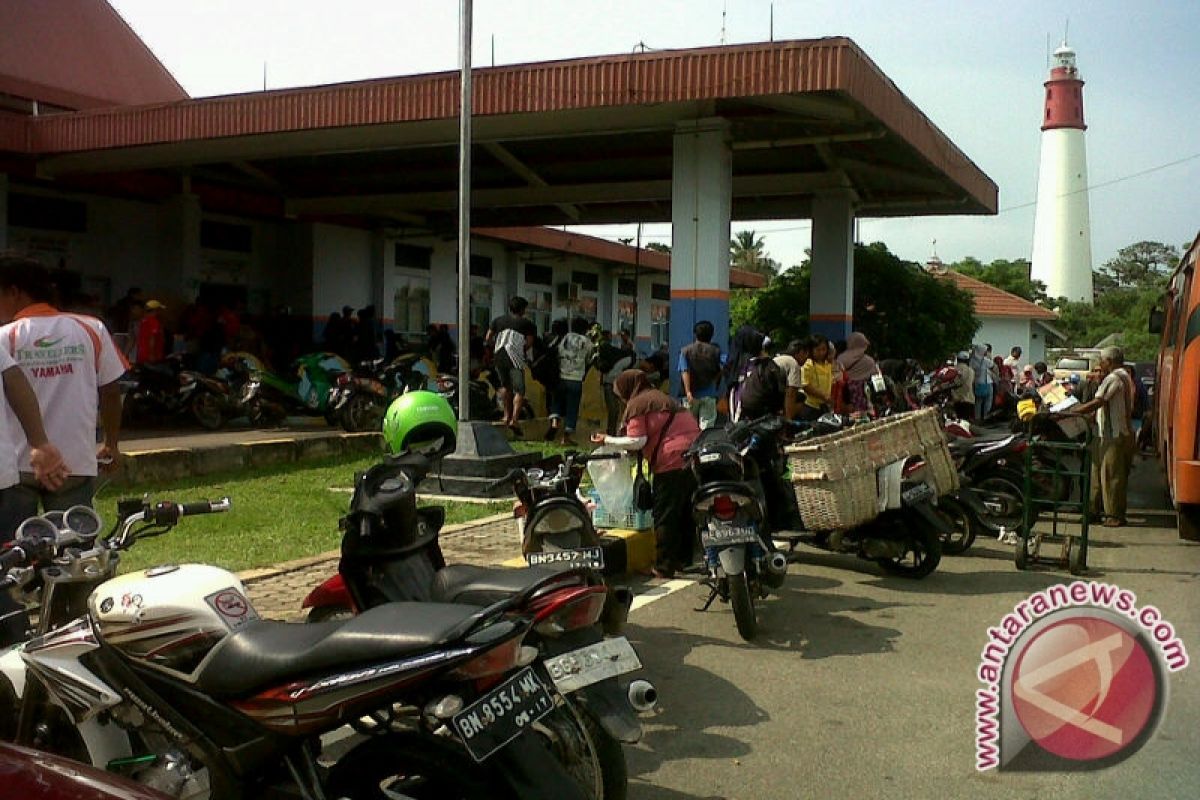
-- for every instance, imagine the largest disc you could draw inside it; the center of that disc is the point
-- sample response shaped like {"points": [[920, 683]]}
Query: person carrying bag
{"points": [[653, 419]]}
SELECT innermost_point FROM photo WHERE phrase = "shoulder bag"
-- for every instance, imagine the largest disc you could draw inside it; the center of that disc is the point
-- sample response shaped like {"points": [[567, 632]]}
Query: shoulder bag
{"points": [[643, 492]]}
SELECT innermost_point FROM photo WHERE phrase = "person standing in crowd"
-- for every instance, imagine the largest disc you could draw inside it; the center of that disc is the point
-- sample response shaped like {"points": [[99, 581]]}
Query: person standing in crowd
{"points": [[574, 356], [982, 368], [18, 402], [511, 337], [700, 373], [1042, 375], [1113, 454], [964, 388], [789, 360], [654, 426], [544, 367], [1013, 362], [73, 366], [817, 375], [857, 368], [151, 338], [610, 362], [760, 388]]}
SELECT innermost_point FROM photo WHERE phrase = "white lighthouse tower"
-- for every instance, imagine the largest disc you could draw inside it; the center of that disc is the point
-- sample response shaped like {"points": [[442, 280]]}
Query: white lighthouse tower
{"points": [[1062, 235]]}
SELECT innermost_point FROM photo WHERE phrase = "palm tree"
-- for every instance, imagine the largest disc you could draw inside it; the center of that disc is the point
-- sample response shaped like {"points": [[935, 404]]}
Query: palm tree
{"points": [[746, 252]]}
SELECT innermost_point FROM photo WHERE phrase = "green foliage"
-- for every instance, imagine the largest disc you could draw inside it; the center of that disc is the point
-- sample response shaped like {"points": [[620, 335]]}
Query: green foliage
{"points": [[747, 252], [659, 247], [1123, 311], [1011, 276], [1142, 264], [905, 312]]}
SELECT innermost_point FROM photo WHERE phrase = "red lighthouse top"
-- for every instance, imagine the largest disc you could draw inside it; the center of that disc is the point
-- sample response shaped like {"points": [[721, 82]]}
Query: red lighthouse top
{"points": [[1064, 93]]}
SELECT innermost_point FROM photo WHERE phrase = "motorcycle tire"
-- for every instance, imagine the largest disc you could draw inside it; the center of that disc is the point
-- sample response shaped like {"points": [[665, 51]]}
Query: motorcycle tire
{"points": [[207, 410], [742, 601], [568, 739], [925, 547], [1077, 556], [612, 759], [396, 765], [1025, 553], [1008, 484], [361, 414], [963, 536]]}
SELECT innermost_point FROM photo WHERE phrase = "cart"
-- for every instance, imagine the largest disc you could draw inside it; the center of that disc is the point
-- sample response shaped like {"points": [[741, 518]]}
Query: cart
{"points": [[1051, 488]]}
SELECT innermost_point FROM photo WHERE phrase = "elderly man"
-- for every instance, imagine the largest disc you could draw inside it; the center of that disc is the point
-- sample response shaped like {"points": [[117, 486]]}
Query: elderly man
{"points": [[1113, 455]]}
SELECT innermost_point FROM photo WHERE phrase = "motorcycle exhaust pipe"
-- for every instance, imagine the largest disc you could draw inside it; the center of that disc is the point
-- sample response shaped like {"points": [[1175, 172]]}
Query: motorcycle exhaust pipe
{"points": [[643, 696], [777, 565]]}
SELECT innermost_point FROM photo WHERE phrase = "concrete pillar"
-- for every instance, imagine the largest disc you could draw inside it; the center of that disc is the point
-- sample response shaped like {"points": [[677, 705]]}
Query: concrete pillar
{"points": [[701, 196], [182, 242], [3, 211], [831, 293]]}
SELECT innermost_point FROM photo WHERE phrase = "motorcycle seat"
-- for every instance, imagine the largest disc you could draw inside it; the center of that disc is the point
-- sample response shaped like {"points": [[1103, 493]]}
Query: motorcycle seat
{"points": [[466, 583], [980, 444], [267, 653]]}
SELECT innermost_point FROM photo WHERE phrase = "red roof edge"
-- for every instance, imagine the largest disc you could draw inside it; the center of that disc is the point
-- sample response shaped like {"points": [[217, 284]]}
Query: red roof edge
{"points": [[991, 301]]}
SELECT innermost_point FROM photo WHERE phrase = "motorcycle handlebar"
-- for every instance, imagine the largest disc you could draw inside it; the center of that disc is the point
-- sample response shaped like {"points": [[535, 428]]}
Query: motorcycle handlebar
{"points": [[512, 475]]}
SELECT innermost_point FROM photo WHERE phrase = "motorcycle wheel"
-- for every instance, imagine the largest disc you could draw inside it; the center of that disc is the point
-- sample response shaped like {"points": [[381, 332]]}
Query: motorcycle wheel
{"points": [[1009, 487], [743, 605], [361, 414], [1026, 551], [611, 755], [922, 555], [1077, 556], [392, 766], [963, 535], [207, 410]]}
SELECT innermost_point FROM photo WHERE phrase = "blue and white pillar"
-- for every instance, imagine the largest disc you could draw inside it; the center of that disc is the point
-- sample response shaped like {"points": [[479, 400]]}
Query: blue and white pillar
{"points": [[831, 293], [701, 197]]}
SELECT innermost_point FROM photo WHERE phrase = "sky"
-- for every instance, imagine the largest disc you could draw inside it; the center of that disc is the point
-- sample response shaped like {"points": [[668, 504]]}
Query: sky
{"points": [[974, 67]]}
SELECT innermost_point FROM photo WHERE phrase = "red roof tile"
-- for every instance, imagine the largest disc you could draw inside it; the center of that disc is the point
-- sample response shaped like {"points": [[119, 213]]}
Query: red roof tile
{"points": [[993, 302]]}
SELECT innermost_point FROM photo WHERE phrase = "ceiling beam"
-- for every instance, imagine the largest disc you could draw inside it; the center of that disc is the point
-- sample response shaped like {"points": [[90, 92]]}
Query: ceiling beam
{"points": [[524, 172]]}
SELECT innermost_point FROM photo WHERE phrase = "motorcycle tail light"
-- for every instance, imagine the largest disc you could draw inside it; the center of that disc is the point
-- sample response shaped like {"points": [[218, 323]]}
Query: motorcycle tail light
{"points": [[568, 610], [343, 379], [1020, 446], [723, 507], [497, 661], [913, 466]]}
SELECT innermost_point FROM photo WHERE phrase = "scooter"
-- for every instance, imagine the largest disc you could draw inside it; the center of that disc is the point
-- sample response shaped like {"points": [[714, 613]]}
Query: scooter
{"points": [[268, 398], [730, 510], [359, 400], [390, 552], [170, 678]]}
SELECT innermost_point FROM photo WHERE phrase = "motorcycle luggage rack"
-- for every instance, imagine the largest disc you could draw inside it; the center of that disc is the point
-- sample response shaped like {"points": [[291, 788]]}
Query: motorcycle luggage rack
{"points": [[1074, 546]]}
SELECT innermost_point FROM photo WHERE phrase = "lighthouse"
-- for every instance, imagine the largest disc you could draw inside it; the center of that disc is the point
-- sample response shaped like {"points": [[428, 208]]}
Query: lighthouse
{"points": [[1062, 235]]}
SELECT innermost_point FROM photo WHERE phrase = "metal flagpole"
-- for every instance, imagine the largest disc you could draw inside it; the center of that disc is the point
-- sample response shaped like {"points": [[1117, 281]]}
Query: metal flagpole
{"points": [[464, 213]]}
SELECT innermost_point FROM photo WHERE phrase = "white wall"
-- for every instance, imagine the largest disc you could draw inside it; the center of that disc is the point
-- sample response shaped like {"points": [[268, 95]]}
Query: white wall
{"points": [[341, 268], [1004, 333]]}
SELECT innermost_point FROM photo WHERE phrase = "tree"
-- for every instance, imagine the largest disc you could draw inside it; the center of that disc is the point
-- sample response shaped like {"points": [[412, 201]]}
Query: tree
{"points": [[1011, 276], [905, 312], [659, 247], [1142, 264], [746, 252]]}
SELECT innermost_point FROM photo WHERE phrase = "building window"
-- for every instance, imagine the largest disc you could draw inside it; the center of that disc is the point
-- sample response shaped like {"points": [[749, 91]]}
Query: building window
{"points": [[410, 302], [627, 305], [412, 257], [46, 213], [481, 267], [481, 302], [660, 325], [538, 289], [587, 302], [227, 236]]}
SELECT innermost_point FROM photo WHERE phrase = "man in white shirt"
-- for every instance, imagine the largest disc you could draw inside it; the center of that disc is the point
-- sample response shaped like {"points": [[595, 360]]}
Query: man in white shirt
{"points": [[789, 361], [1113, 454], [1013, 361], [73, 366]]}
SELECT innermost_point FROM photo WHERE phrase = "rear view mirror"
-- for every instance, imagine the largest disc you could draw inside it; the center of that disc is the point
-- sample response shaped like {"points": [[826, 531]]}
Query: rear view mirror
{"points": [[1157, 317]]}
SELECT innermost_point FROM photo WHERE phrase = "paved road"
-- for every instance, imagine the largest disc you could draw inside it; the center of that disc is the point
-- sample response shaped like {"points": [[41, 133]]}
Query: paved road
{"points": [[863, 686]]}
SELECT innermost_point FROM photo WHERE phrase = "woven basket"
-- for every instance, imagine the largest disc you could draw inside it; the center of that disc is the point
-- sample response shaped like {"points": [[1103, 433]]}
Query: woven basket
{"points": [[929, 426], [839, 455], [838, 504], [941, 468]]}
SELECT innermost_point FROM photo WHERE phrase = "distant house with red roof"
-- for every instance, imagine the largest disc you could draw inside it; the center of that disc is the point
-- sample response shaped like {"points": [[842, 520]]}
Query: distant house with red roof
{"points": [[1005, 320]]}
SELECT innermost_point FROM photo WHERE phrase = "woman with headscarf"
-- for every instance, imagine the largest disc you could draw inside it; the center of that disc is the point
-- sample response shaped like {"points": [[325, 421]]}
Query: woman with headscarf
{"points": [[857, 368], [656, 426]]}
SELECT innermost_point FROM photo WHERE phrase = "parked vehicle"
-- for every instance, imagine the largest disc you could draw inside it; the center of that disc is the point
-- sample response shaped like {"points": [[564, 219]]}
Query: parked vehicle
{"points": [[171, 678], [268, 398], [163, 392], [390, 552], [359, 399], [730, 509], [35, 775]]}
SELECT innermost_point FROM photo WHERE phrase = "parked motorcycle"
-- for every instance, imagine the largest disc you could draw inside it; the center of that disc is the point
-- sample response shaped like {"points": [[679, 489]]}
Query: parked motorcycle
{"points": [[390, 552], [164, 391], [359, 400], [268, 398], [172, 679], [732, 518], [36, 775]]}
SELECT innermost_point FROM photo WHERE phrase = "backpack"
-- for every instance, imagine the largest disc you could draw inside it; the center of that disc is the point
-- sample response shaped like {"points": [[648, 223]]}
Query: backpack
{"points": [[761, 389], [607, 357], [544, 366]]}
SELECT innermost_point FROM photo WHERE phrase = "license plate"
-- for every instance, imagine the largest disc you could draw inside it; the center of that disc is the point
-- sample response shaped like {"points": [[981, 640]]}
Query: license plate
{"points": [[592, 664], [591, 557], [719, 534], [916, 494], [502, 714]]}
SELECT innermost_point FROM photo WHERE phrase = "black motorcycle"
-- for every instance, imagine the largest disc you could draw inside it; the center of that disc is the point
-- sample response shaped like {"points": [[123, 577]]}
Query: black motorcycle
{"points": [[734, 468], [164, 391], [359, 400]]}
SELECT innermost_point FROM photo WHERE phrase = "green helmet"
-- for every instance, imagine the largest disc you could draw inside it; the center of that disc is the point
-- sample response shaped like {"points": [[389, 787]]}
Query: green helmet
{"points": [[420, 422]]}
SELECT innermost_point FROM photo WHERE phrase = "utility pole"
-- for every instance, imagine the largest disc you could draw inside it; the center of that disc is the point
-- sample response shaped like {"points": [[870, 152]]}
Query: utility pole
{"points": [[464, 214], [637, 274]]}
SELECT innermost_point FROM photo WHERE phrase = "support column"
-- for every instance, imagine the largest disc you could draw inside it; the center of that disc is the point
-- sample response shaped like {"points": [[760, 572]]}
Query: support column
{"points": [[182, 242], [3, 211], [701, 197], [831, 293]]}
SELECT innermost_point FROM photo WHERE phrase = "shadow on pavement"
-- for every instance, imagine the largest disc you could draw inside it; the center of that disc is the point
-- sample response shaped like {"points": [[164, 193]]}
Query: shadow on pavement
{"points": [[975, 583]]}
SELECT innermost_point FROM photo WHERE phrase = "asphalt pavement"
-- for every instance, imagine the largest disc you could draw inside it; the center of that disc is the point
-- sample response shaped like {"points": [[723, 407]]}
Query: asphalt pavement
{"points": [[863, 686]]}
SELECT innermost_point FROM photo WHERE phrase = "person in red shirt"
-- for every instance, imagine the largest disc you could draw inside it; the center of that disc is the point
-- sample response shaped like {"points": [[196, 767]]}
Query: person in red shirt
{"points": [[151, 346]]}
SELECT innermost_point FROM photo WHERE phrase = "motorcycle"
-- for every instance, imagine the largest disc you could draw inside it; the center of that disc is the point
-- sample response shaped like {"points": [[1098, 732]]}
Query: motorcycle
{"points": [[390, 552], [170, 678], [34, 775], [731, 514], [164, 390], [268, 399], [484, 401]]}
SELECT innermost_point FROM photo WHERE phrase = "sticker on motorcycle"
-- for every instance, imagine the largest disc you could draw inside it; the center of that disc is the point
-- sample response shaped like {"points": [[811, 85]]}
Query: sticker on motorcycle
{"points": [[232, 607], [590, 557], [502, 714]]}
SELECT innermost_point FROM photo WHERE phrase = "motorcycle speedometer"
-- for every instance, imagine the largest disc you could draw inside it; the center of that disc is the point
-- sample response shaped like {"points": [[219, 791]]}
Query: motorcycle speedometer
{"points": [[37, 528], [82, 520]]}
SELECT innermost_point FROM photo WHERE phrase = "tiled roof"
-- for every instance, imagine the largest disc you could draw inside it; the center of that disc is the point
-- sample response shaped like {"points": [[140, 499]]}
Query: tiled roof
{"points": [[993, 302]]}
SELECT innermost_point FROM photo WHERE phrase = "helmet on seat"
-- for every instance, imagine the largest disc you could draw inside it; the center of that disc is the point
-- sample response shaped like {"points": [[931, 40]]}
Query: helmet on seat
{"points": [[420, 422]]}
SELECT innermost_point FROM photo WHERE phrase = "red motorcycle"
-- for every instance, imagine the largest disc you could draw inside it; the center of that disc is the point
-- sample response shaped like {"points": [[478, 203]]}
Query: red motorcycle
{"points": [[34, 775]]}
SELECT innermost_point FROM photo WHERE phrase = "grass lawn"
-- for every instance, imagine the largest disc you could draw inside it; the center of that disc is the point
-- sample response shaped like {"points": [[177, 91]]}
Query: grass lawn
{"points": [[278, 514]]}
